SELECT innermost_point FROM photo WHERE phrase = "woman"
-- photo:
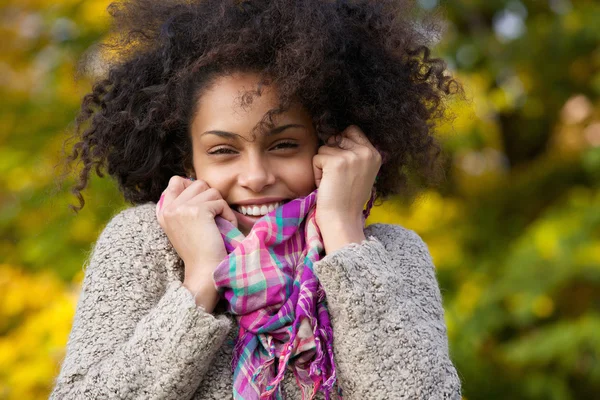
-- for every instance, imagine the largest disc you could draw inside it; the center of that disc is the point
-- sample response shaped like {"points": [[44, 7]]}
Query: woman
{"points": [[260, 105]]}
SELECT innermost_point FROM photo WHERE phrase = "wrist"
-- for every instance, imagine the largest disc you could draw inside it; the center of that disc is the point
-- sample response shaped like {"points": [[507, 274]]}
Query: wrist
{"points": [[204, 292], [337, 234]]}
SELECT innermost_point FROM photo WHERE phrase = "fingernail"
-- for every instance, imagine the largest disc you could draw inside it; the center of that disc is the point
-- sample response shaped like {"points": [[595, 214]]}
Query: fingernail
{"points": [[161, 201]]}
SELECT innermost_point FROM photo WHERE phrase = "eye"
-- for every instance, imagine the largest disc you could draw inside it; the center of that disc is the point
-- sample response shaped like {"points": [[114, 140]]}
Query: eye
{"points": [[279, 146], [222, 150], [286, 145]]}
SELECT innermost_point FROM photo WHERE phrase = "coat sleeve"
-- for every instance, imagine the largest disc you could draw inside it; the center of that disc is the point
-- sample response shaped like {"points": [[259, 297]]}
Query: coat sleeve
{"points": [[390, 338], [135, 334]]}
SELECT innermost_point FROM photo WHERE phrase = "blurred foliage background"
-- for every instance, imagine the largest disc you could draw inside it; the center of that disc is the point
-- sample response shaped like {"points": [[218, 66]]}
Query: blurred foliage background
{"points": [[514, 232]]}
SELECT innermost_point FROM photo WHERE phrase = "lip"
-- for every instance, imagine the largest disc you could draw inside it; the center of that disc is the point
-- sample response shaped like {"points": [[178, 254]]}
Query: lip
{"points": [[262, 200], [246, 220]]}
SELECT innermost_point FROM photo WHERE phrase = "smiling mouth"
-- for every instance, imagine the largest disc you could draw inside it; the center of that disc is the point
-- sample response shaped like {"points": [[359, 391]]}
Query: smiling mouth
{"points": [[258, 210]]}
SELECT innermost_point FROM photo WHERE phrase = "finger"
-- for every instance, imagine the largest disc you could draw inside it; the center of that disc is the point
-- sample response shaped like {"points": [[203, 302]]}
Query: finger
{"points": [[332, 140], [337, 152], [176, 185], [333, 151], [192, 190], [338, 141], [355, 134], [220, 207], [207, 195], [348, 144], [318, 164]]}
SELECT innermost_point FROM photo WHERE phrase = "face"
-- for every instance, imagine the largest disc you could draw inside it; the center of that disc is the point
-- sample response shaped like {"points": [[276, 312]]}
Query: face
{"points": [[253, 171]]}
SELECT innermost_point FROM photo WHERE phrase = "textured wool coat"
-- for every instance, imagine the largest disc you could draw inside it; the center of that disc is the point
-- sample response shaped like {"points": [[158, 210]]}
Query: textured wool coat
{"points": [[138, 334]]}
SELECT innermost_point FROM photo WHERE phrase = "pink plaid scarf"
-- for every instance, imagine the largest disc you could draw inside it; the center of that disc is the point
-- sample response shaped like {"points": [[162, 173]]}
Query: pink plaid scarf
{"points": [[279, 303]]}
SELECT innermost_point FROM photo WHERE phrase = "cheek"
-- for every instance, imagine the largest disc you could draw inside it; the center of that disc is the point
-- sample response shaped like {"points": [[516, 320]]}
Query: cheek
{"points": [[298, 176], [219, 178]]}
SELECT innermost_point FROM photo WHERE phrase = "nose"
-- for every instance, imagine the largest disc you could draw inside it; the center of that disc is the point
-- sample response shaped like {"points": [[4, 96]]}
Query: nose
{"points": [[256, 174]]}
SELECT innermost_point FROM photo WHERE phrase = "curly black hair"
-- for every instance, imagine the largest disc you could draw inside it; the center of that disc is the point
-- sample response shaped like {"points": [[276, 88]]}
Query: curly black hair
{"points": [[363, 62]]}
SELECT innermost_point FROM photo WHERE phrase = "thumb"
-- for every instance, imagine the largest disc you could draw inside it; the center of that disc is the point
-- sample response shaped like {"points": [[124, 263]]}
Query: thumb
{"points": [[220, 207], [318, 168]]}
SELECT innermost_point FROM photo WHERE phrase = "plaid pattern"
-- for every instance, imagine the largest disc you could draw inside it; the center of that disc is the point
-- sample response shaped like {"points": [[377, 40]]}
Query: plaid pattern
{"points": [[270, 285]]}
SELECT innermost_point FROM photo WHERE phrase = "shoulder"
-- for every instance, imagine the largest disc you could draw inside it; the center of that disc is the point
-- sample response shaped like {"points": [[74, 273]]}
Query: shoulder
{"points": [[136, 226], [134, 237], [405, 252], [131, 217], [397, 239]]}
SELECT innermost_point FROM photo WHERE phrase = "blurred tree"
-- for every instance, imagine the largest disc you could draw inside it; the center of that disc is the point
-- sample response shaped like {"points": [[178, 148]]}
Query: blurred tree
{"points": [[38, 56], [523, 303]]}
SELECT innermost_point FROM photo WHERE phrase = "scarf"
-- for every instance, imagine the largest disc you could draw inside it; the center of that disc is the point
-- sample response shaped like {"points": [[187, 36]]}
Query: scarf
{"points": [[269, 283]]}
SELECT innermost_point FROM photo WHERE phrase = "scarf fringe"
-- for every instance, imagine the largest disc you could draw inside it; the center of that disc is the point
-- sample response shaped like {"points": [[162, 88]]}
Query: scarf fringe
{"points": [[237, 350], [303, 387], [317, 368]]}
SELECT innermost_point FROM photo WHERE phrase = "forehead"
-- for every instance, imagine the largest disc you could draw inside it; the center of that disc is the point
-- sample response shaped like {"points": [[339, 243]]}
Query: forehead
{"points": [[219, 107]]}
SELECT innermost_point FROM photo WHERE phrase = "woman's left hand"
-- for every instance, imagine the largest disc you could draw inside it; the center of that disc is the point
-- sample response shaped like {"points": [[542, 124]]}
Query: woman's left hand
{"points": [[344, 177]]}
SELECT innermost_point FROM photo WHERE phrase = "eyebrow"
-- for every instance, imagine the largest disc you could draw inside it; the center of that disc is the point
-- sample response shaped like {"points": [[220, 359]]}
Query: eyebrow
{"points": [[231, 135]]}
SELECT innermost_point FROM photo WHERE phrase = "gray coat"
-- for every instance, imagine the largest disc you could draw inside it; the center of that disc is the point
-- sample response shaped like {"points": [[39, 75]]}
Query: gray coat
{"points": [[138, 334]]}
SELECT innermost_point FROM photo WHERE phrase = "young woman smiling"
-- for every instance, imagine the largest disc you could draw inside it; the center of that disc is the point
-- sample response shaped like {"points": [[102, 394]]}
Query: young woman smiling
{"points": [[228, 124], [245, 169]]}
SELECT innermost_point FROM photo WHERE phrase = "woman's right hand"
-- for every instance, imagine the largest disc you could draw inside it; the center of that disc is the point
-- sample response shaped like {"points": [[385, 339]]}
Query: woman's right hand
{"points": [[187, 215]]}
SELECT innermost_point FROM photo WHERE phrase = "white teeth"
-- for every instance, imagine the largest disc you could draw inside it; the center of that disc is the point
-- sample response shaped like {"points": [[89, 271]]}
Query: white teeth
{"points": [[259, 210]]}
